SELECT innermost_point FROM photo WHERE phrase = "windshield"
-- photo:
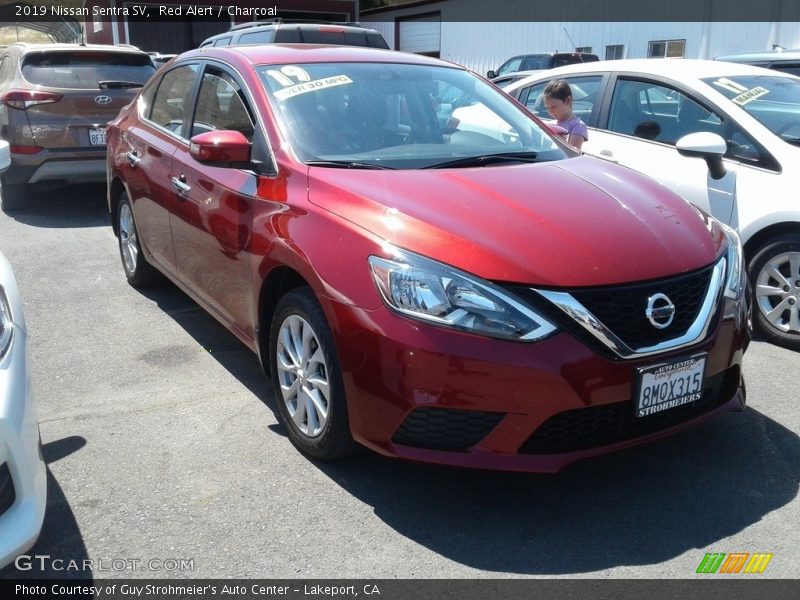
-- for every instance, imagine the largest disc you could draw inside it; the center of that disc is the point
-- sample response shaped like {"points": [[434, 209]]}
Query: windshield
{"points": [[773, 100], [399, 116]]}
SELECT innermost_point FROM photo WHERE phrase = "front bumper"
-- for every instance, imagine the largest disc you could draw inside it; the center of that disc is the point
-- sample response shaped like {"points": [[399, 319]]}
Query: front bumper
{"points": [[24, 487], [434, 395]]}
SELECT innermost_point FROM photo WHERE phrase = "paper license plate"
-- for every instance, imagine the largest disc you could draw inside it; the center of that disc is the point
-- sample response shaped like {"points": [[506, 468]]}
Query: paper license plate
{"points": [[97, 137], [666, 386]]}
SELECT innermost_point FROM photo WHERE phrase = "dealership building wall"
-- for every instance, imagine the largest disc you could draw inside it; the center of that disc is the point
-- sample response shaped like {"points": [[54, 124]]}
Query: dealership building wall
{"points": [[430, 28]]}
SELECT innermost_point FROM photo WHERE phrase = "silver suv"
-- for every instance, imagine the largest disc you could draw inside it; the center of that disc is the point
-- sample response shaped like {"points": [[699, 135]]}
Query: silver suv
{"points": [[349, 34], [786, 61], [55, 103]]}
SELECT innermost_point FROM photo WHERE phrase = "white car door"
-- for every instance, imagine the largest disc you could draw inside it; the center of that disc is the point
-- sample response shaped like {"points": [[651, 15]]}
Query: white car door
{"points": [[645, 119]]}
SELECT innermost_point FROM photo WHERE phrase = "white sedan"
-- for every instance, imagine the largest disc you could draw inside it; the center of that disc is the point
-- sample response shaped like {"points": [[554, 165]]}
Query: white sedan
{"points": [[23, 476], [746, 122]]}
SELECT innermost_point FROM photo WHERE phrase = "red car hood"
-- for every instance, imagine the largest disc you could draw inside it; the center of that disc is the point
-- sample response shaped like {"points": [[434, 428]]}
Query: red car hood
{"points": [[577, 222]]}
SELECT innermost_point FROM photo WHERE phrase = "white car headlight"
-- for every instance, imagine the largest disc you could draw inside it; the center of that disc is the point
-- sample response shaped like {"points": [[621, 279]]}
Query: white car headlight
{"points": [[734, 281], [436, 293], [6, 324]]}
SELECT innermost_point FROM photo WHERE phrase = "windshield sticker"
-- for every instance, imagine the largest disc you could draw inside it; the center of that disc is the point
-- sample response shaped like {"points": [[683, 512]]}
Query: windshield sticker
{"points": [[749, 95], [312, 86], [280, 78], [296, 72], [731, 86]]}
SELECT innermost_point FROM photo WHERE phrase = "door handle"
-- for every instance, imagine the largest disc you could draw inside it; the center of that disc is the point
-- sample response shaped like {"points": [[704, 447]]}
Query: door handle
{"points": [[180, 185], [133, 159], [608, 155]]}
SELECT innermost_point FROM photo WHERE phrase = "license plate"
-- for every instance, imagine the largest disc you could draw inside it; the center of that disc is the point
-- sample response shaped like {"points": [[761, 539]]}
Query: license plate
{"points": [[97, 137], [669, 385]]}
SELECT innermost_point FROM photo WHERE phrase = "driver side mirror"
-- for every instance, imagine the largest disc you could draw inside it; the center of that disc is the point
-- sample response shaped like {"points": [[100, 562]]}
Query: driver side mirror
{"points": [[222, 148], [490, 74], [708, 146]]}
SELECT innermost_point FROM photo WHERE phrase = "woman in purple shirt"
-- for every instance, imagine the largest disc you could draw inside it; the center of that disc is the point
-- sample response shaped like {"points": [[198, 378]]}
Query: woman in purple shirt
{"points": [[558, 101]]}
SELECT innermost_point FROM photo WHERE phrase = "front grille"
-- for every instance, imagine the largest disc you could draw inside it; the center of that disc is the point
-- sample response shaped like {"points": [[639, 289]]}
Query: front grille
{"points": [[622, 308], [595, 426], [450, 429], [7, 492]]}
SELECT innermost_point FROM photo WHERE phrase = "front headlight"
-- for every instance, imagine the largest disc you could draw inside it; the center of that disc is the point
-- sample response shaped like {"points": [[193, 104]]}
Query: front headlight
{"points": [[436, 293], [6, 324], [733, 281]]}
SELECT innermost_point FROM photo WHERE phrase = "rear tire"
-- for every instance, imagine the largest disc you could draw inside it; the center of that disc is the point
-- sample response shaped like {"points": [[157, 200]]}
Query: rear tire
{"points": [[307, 378], [11, 195], [774, 274], [138, 271]]}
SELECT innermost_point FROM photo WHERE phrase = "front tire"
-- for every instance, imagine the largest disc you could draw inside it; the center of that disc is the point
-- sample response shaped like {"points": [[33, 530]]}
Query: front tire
{"points": [[774, 273], [307, 378], [138, 271]]}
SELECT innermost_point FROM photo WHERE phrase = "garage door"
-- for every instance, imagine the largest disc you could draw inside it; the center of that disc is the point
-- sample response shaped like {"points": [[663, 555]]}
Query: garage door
{"points": [[421, 34]]}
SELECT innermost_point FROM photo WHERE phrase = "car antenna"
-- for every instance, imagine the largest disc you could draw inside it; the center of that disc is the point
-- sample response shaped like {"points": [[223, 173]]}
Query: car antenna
{"points": [[569, 37]]}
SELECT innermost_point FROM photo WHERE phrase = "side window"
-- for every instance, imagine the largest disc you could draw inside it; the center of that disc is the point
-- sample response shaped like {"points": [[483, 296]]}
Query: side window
{"points": [[790, 68], [223, 41], [533, 63], [256, 37], [652, 111], [171, 100], [221, 105], [585, 94]]}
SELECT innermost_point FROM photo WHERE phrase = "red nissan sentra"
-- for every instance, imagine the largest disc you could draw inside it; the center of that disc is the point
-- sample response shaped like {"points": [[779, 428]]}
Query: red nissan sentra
{"points": [[443, 285]]}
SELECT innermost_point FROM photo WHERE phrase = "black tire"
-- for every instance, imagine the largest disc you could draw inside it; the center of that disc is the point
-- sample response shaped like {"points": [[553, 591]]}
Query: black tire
{"points": [[138, 271], [11, 196], [780, 329], [328, 441]]}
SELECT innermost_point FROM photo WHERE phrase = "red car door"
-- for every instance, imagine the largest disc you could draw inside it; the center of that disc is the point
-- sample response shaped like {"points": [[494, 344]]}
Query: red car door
{"points": [[147, 165], [211, 222]]}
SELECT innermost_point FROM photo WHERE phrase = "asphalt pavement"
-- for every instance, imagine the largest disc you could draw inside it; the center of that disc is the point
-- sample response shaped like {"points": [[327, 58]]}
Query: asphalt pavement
{"points": [[165, 458]]}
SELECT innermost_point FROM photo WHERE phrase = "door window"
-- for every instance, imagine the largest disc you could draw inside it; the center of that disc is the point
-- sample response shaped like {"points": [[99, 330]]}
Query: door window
{"points": [[221, 105], [585, 93], [652, 111], [172, 98]]}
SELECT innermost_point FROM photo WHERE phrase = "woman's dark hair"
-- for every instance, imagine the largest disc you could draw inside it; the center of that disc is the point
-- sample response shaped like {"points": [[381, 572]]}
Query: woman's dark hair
{"points": [[558, 89]]}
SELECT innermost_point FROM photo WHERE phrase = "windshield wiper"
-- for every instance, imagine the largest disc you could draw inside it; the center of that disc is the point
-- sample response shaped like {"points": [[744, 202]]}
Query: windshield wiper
{"points": [[792, 141], [119, 85], [485, 159], [346, 164]]}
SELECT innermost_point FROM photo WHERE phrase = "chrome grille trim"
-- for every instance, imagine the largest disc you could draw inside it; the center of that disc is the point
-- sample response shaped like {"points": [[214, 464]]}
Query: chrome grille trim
{"points": [[696, 332]]}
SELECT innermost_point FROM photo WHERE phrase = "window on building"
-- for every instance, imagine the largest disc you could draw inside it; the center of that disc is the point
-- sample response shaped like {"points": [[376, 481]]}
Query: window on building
{"points": [[615, 52], [666, 49], [586, 49]]}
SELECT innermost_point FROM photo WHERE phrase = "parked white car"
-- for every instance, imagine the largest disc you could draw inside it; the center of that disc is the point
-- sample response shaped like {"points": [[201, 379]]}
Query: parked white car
{"points": [[639, 113], [23, 476]]}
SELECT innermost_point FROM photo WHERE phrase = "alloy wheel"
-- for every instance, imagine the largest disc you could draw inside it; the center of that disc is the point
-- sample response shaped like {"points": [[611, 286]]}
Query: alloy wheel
{"points": [[778, 291], [303, 376], [127, 238]]}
